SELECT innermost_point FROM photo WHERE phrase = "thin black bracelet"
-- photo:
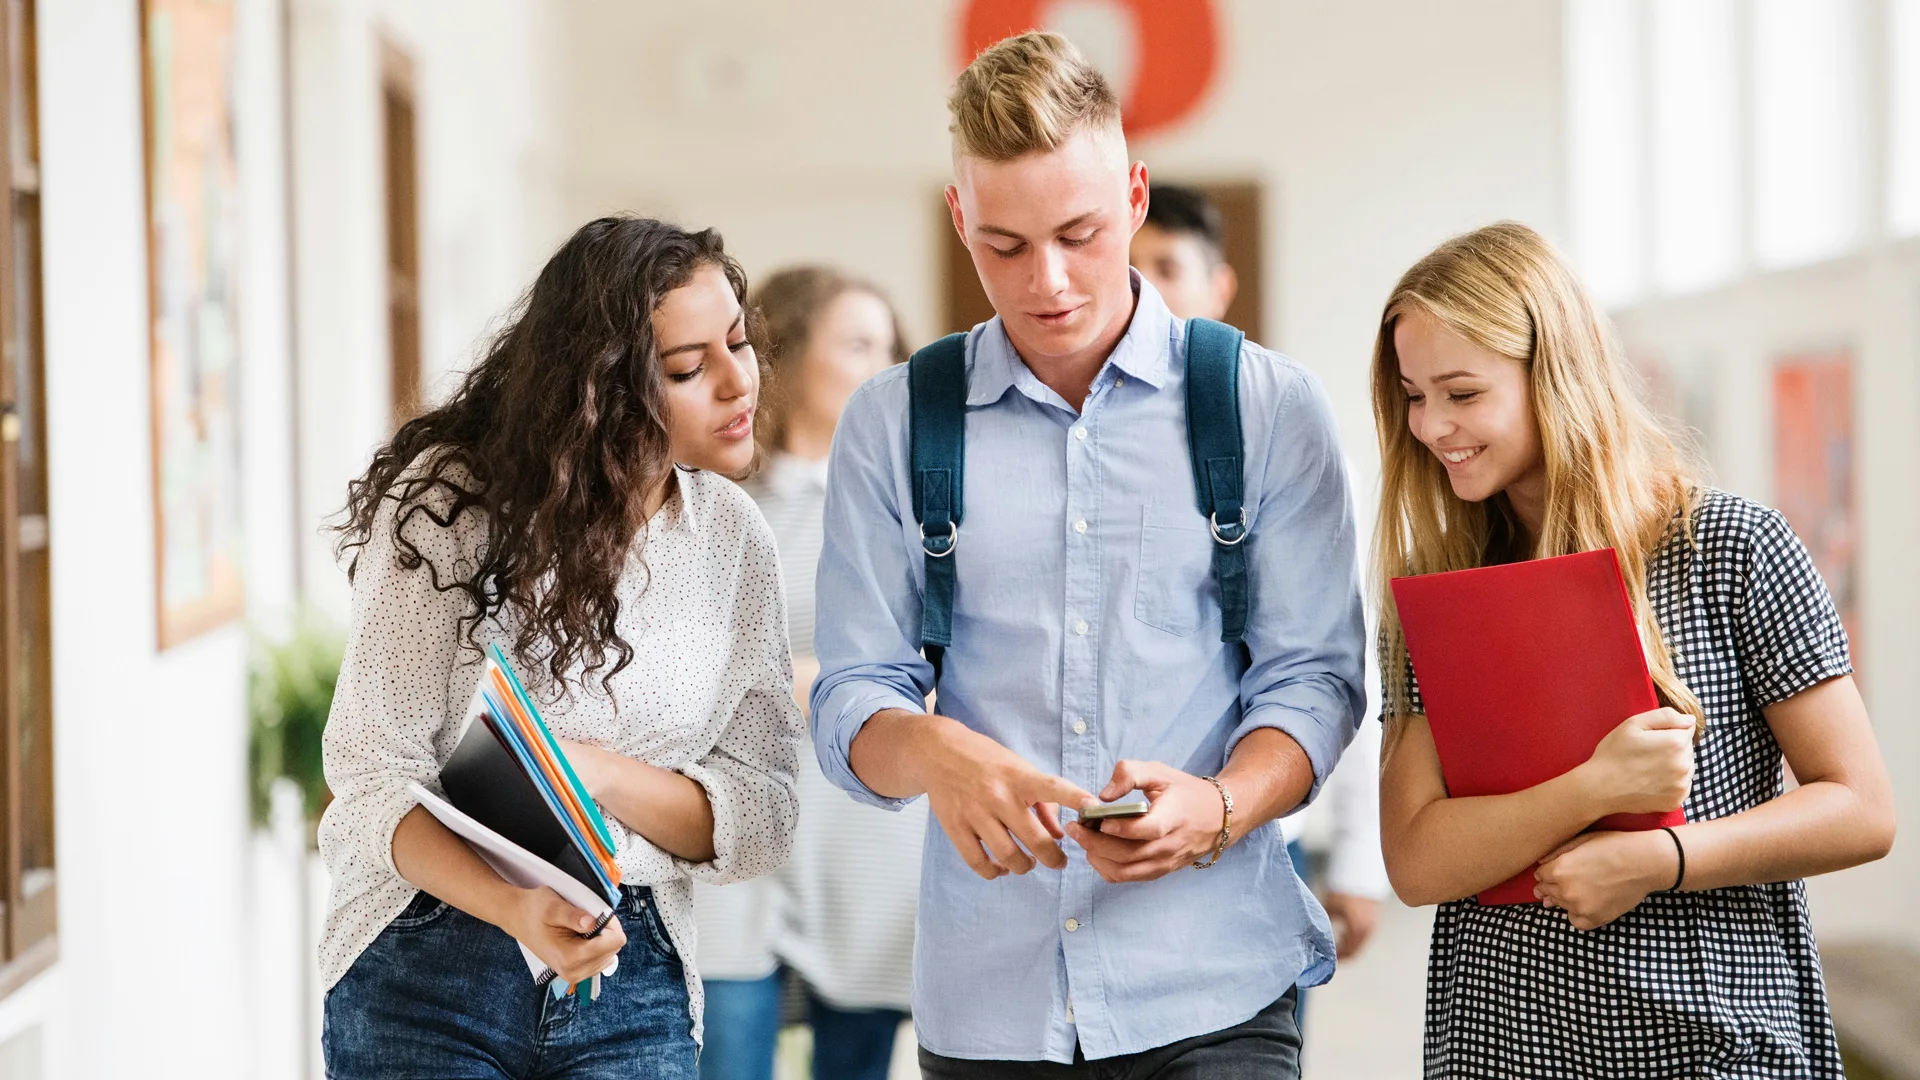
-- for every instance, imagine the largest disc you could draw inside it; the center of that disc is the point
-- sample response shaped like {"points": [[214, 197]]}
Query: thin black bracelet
{"points": [[1680, 851]]}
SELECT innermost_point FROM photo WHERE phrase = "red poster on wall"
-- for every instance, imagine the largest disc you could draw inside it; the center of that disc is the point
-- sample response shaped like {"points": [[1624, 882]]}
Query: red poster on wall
{"points": [[1813, 470], [1177, 51]]}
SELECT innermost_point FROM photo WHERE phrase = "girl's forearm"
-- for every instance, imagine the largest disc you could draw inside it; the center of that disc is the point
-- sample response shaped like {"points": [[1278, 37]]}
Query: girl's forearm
{"points": [[432, 859], [1816, 828], [668, 809], [1455, 847]]}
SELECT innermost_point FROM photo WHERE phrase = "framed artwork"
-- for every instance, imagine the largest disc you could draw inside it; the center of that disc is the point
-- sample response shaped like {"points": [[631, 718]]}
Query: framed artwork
{"points": [[1813, 455], [1681, 395], [193, 209]]}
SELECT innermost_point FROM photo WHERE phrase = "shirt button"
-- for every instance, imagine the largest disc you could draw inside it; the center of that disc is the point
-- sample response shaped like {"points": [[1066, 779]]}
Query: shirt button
{"points": [[1119, 380], [1080, 628], [1069, 1012], [1079, 727], [1072, 925], [1080, 433], [1079, 526]]}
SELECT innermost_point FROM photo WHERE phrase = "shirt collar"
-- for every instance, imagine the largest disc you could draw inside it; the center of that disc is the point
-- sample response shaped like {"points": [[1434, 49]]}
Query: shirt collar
{"points": [[1146, 349], [677, 515], [1143, 352]]}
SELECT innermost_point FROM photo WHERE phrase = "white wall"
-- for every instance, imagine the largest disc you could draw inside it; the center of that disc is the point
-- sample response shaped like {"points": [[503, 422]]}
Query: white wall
{"points": [[818, 132], [485, 215], [149, 748], [1730, 338]]}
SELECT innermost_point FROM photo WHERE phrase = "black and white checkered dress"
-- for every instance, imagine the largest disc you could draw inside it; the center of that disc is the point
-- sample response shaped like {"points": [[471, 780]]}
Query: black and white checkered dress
{"points": [[1724, 983]]}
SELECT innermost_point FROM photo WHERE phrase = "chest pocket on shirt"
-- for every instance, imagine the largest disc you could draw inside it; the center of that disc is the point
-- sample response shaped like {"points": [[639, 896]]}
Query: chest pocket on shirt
{"points": [[1175, 590]]}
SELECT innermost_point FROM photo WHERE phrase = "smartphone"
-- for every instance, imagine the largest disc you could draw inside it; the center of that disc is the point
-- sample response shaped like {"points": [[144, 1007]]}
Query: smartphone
{"points": [[1092, 816]]}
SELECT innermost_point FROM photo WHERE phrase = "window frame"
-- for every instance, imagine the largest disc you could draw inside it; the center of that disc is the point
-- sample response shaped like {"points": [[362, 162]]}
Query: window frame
{"points": [[29, 941]]}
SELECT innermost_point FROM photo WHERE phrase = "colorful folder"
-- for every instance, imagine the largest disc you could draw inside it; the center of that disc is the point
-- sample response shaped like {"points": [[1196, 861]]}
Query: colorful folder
{"points": [[1523, 669], [511, 794]]}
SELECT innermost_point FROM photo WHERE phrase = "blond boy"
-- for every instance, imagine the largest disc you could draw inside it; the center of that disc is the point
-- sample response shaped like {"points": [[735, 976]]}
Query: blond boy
{"points": [[1086, 661]]}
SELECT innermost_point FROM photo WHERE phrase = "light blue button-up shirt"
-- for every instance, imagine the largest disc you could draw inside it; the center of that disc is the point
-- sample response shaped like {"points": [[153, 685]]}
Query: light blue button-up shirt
{"points": [[1086, 629]]}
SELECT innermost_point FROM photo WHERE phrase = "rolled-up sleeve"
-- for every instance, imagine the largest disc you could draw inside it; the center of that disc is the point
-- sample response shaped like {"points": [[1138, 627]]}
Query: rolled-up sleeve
{"points": [[1305, 630], [749, 774], [393, 692], [867, 592]]}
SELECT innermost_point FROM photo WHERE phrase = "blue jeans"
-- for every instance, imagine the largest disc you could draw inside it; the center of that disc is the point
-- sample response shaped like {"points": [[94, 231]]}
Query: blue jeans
{"points": [[441, 994], [743, 1026]]}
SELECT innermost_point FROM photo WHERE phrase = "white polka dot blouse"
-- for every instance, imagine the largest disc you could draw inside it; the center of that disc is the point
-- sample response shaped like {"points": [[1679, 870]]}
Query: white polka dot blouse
{"points": [[709, 694]]}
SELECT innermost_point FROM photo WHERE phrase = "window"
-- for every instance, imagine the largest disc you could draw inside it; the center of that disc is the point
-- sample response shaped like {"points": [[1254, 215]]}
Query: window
{"points": [[1903, 69], [26, 668], [1605, 150], [1808, 104], [1708, 138], [1696, 144], [403, 233]]}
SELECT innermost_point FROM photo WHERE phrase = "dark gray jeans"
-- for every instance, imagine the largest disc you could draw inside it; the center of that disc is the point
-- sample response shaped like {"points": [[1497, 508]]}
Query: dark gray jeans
{"points": [[1266, 1047]]}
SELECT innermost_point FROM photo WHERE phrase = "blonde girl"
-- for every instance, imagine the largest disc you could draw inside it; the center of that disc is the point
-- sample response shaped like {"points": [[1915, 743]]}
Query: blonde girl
{"points": [[1509, 430]]}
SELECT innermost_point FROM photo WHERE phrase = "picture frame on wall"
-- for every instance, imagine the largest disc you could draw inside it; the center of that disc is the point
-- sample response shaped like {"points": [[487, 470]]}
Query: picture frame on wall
{"points": [[193, 230], [1813, 480]]}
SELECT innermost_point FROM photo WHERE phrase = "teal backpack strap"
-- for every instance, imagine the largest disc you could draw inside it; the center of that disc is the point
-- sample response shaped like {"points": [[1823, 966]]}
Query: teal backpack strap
{"points": [[937, 429], [1214, 446]]}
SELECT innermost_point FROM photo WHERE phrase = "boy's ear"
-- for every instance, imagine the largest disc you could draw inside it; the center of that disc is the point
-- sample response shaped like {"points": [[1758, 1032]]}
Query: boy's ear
{"points": [[1137, 195], [953, 210]]}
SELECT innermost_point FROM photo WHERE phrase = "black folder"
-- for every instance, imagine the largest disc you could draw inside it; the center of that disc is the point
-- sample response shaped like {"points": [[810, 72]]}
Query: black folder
{"points": [[484, 781]]}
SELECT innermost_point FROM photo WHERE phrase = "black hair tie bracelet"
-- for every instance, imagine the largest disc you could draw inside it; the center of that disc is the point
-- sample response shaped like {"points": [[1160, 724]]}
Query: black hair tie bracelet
{"points": [[1682, 853]]}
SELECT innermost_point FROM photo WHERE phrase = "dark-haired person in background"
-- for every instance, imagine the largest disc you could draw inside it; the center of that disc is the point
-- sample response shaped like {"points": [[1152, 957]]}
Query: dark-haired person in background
{"points": [[839, 915], [1182, 250], [569, 504]]}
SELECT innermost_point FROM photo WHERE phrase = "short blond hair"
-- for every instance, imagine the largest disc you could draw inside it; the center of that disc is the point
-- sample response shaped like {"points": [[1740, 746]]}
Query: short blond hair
{"points": [[1028, 94]]}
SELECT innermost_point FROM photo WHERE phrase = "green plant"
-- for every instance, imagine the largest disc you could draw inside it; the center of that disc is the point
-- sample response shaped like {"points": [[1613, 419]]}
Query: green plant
{"points": [[290, 692]]}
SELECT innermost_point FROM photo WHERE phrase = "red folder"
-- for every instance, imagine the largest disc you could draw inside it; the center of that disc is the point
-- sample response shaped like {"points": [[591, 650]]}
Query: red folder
{"points": [[1523, 669]]}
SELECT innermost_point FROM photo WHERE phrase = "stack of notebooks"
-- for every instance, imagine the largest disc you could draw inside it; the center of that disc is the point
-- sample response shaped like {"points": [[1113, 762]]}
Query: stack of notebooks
{"points": [[511, 795]]}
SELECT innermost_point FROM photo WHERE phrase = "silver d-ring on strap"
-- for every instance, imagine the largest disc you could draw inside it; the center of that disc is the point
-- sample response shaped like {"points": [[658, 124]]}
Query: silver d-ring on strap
{"points": [[1213, 523], [953, 541]]}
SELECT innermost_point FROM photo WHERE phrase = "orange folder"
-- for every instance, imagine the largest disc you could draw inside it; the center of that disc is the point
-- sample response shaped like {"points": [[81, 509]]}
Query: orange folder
{"points": [[1523, 669]]}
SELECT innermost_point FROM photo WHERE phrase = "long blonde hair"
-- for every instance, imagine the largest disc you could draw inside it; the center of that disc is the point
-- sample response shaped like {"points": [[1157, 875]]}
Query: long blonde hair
{"points": [[1614, 477]]}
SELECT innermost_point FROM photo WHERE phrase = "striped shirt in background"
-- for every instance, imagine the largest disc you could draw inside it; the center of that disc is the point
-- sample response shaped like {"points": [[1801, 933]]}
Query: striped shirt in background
{"points": [[841, 912]]}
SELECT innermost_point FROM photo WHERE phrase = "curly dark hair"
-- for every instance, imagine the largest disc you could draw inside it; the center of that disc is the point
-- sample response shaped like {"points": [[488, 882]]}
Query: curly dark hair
{"points": [[556, 437]]}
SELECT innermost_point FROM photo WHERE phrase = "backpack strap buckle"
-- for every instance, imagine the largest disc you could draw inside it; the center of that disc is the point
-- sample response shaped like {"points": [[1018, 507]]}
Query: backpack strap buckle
{"points": [[939, 547], [1233, 535]]}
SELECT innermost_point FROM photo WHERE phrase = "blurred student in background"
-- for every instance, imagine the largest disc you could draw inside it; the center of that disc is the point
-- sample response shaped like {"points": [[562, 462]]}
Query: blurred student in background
{"points": [[1182, 250], [840, 915]]}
